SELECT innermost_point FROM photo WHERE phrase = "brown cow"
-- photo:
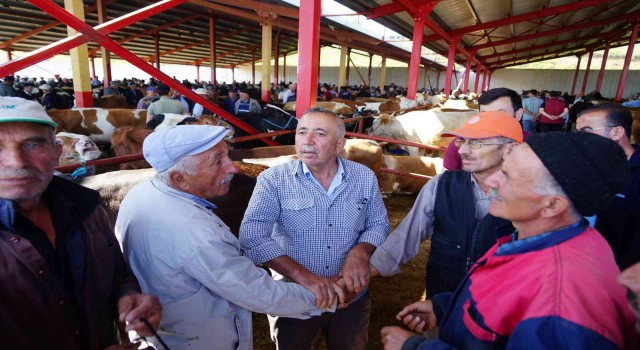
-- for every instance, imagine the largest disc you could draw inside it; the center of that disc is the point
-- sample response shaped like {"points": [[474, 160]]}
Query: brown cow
{"points": [[76, 149], [392, 183], [112, 101], [97, 123], [113, 186]]}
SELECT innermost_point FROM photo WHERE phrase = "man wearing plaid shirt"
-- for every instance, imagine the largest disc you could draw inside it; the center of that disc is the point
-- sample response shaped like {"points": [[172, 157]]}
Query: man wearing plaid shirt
{"points": [[316, 221]]}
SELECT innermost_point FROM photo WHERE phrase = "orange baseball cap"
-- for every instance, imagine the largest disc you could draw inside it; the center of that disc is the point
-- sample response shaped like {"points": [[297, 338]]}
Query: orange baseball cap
{"points": [[489, 124]]}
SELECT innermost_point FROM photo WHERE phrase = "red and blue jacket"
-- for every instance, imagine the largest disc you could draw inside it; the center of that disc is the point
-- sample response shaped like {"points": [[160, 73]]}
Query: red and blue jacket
{"points": [[557, 290]]}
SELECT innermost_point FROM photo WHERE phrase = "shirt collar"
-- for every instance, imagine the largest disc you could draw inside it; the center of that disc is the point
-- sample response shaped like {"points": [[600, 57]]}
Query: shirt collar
{"points": [[513, 245], [199, 201], [340, 173]]}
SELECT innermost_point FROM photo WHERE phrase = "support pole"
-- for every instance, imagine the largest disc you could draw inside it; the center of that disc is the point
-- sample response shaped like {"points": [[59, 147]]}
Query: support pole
{"points": [[276, 59], [369, 71], [575, 76], [383, 73], [9, 53], [198, 73], [605, 55], [342, 71], [284, 67], [484, 79], [489, 82], [416, 52], [627, 62], [104, 53], [586, 73], [425, 77], [475, 87], [308, 54], [233, 74], [79, 60], [467, 72], [348, 66], [212, 48], [450, 63], [156, 44], [253, 66], [93, 66], [267, 30]]}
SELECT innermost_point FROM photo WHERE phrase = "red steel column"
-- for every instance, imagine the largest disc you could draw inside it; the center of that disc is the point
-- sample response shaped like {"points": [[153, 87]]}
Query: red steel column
{"points": [[467, 71], [484, 79], [575, 76], [416, 51], [212, 48], [475, 87], [627, 62], [308, 54], [586, 73], [603, 66], [450, 62]]}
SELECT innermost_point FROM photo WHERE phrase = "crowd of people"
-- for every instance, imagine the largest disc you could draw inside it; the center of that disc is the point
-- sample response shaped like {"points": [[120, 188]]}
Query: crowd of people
{"points": [[530, 228]]}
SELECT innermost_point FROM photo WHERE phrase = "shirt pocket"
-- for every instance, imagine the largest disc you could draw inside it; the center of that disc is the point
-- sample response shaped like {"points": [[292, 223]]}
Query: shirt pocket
{"points": [[298, 214], [476, 329], [354, 214]]}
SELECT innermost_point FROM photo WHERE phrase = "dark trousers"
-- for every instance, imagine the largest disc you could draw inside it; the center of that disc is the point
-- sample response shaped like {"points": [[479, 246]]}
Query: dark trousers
{"points": [[544, 127], [345, 329]]}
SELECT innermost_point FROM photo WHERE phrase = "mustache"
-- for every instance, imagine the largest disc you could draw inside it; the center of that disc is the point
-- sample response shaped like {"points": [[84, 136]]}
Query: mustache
{"points": [[493, 194], [10, 173], [309, 148], [227, 180]]}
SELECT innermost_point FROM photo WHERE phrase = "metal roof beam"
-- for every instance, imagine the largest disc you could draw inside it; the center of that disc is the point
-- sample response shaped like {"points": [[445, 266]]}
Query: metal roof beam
{"points": [[554, 43], [524, 17], [628, 17], [384, 10], [261, 6]]}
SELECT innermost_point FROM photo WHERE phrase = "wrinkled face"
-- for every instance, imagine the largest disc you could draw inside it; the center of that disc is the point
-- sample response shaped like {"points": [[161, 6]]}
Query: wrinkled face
{"points": [[487, 158], [213, 174], [512, 188], [317, 143], [595, 123], [503, 104], [27, 158]]}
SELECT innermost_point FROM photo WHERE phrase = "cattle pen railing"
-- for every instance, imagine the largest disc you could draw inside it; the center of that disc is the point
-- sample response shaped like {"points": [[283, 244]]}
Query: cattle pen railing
{"points": [[139, 156]]}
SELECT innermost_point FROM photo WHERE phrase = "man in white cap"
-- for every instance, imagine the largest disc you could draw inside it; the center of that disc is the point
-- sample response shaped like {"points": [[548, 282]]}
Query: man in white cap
{"points": [[64, 281], [51, 99], [180, 250]]}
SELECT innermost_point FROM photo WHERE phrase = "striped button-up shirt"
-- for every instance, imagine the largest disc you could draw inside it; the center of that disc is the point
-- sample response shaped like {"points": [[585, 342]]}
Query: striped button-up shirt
{"points": [[290, 215]]}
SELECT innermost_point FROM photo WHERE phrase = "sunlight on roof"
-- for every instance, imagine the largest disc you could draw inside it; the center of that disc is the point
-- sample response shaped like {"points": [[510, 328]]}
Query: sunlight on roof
{"points": [[343, 15]]}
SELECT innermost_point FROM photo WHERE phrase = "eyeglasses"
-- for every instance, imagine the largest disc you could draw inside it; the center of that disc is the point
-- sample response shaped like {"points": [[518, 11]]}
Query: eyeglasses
{"points": [[475, 143], [591, 130]]}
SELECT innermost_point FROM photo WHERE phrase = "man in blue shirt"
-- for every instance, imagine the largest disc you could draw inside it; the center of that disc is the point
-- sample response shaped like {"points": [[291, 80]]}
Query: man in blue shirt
{"points": [[312, 220]]}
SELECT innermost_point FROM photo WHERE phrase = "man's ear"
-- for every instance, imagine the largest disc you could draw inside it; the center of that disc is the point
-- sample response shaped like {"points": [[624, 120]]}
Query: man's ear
{"points": [[554, 205], [519, 114], [616, 133], [178, 180]]}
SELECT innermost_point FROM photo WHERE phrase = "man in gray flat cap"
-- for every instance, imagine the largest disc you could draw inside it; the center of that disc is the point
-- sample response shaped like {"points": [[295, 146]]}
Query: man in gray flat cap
{"points": [[181, 251]]}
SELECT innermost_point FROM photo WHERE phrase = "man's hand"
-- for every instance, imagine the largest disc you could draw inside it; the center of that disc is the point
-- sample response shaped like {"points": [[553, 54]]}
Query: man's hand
{"points": [[355, 269], [394, 337], [134, 306], [324, 289], [418, 316], [346, 297]]}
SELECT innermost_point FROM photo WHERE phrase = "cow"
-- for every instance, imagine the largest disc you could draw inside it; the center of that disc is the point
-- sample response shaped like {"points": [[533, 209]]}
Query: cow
{"points": [[420, 126], [271, 118], [76, 149], [459, 105], [112, 101], [97, 123], [336, 107], [128, 140], [113, 186], [393, 183]]}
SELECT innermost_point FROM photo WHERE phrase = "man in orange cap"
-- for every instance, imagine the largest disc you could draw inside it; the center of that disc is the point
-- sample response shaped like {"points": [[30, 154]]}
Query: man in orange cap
{"points": [[452, 207]]}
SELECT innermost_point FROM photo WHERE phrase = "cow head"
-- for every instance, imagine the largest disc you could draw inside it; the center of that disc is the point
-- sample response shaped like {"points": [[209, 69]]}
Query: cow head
{"points": [[386, 125]]}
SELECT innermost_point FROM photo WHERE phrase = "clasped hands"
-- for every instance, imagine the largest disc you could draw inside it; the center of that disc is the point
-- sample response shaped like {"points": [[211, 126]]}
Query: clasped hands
{"points": [[418, 316]]}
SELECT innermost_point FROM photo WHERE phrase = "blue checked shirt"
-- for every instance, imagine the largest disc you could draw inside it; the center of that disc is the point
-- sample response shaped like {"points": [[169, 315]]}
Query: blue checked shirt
{"points": [[291, 215]]}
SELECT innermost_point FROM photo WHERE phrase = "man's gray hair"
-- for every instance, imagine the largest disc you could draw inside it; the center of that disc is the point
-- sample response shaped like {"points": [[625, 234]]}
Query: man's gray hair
{"points": [[341, 129], [186, 165], [548, 186]]}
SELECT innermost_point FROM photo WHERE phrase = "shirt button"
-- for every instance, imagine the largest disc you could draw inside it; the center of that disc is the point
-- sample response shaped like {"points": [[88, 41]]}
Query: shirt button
{"points": [[330, 225], [328, 247], [61, 302], [326, 267], [41, 272], [14, 239]]}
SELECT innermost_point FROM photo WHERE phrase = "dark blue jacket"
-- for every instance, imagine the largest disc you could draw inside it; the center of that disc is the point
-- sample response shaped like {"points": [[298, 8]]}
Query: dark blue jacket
{"points": [[620, 223]]}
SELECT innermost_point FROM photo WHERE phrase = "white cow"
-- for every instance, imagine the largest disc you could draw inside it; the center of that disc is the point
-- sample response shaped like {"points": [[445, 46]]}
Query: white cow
{"points": [[76, 148], [420, 126]]}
